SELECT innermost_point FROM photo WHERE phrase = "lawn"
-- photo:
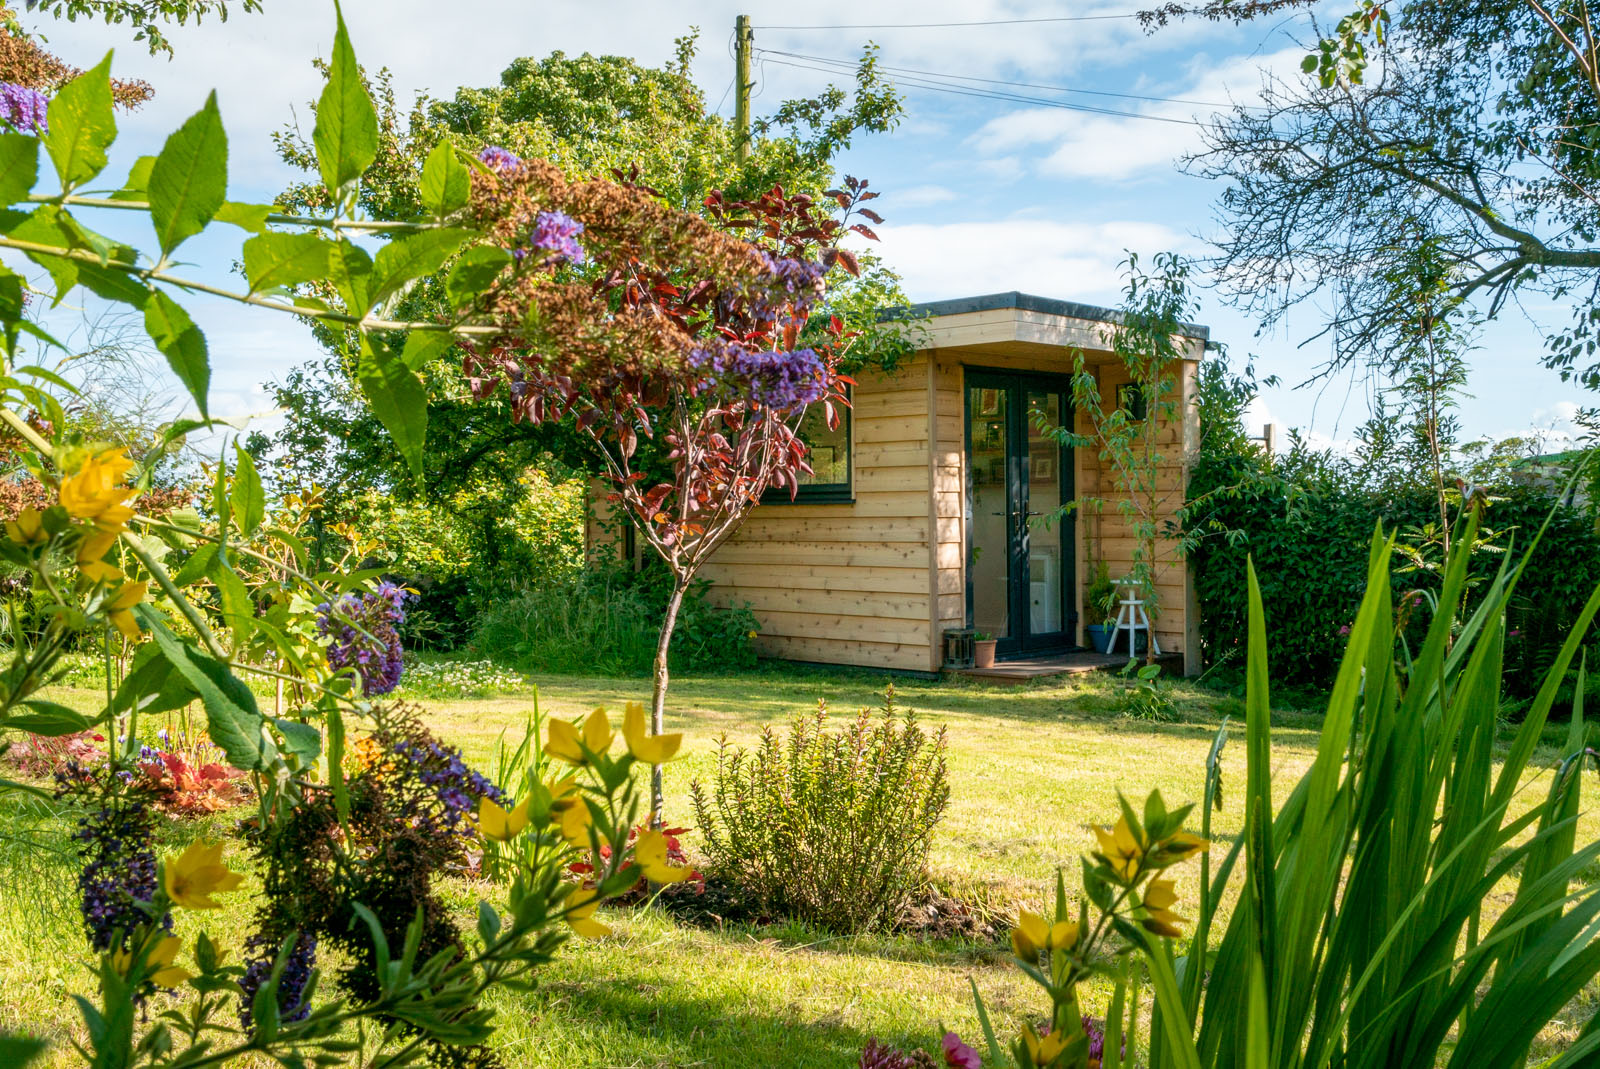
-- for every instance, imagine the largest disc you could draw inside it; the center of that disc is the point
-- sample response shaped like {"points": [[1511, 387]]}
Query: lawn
{"points": [[1030, 768]]}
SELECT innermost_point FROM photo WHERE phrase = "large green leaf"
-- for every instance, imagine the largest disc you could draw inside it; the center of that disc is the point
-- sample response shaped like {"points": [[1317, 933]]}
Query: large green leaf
{"points": [[471, 275], [346, 134], [182, 343], [398, 399], [423, 346], [278, 260], [189, 181], [82, 126], [251, 217], [249, 499], [19, 166], [232, 719], [412, 257], [446, 181], [43, 226]]}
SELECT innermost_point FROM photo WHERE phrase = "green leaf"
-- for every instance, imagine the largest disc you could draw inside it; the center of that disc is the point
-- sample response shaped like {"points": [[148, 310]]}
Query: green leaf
{"points": [[43, 226], [274, 260], [350, 269], [251, 217], [19, 166], [412, 257], [422, 346], [341, 796], [398, 399], [151, 685], [232, 719], [189, 181], [346, 134], [474, 273], [113, 285], [137, 187], [302, 740], [182, 343], [249, 499], [446, 181], [48, 718], [20, 1051], [82, 126]]}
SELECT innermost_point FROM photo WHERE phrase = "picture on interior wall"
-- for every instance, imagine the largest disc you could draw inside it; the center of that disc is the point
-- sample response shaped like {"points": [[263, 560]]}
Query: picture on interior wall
{"points": [[988, 402], [1041, 468]]}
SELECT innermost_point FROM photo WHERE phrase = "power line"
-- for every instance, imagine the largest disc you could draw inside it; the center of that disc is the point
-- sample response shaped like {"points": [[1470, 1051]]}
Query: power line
{"points": [[850, 64], [991, 94], [945, 25]]}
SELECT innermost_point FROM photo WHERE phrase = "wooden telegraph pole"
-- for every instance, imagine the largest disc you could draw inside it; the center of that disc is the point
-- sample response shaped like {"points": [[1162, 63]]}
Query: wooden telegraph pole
{"points": [[742, 37]]}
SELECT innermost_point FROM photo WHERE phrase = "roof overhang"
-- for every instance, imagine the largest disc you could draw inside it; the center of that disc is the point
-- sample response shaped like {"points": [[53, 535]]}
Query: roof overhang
{"points": [[1020, 323]]}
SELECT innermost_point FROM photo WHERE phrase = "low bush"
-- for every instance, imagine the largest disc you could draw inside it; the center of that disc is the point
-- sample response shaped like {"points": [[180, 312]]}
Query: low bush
{"points": [[605, 621], [831, 828]]}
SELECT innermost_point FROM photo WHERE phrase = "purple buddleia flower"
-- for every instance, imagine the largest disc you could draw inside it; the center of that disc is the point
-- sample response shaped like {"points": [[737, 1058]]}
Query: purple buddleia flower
{"points": [[782, 381], [500, 159], [457, 785], [261, 952], [788, 280], [557, 234], [24, 109], [118, 879], [365, 635]]}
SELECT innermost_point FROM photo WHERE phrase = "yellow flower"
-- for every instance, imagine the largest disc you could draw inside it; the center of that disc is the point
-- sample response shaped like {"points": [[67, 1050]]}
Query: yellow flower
{"points": [[1121, 849], [575, 821], [650, 851], [1180, 846], [497, 824], [581, 905], [1043, 1052], [120, 610], [567, 743], [651, 749], [1159, 898], [195, 875], [96, 486], [1030, 935], [563, 791], [28, 528], [159, 961], [1063, 935]]}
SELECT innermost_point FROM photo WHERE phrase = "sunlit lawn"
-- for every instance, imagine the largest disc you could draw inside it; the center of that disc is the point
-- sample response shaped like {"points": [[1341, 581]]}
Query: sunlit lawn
{"points": [[1030, 768]]}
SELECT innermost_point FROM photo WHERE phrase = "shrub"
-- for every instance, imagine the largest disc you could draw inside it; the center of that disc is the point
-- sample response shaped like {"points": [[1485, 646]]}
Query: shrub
{"points": [[1146, 697], [831, 828], [604, 621]]}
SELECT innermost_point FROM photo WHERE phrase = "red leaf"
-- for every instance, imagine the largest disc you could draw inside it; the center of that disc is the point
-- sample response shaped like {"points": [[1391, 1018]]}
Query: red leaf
{"points": [[864, 231], [870, 214], [848, 261]]}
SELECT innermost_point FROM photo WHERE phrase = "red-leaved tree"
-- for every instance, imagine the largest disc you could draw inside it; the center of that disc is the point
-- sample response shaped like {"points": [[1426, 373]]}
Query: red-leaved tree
{"points": [[692, 330]]}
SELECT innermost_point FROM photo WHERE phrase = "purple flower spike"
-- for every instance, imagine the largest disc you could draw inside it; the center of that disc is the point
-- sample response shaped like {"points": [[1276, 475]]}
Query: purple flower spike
{"points": [[366, 636], [23, 108], [557, 233], [500, 159], [783, 381]]}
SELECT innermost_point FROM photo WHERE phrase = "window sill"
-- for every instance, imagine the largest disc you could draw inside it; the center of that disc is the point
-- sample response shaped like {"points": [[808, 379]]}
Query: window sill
{"points": [[810, 497]]}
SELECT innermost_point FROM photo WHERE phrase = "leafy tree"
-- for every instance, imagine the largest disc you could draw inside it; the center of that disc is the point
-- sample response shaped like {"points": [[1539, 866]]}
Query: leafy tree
{"points": [[1472, 126], [144, 17]]}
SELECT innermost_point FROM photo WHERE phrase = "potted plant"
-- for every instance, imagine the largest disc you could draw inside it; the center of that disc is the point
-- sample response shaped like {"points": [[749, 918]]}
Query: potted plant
{"points": [[1099, 604], [983, 645]]}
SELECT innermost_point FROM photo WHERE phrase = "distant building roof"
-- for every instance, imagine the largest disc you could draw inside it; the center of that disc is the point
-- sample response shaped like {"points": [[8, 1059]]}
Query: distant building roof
{"points": [[1025, 302]]}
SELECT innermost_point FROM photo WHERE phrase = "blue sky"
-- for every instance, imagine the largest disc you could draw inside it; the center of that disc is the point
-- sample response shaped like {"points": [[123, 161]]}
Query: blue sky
{"points": [[979, 195]]}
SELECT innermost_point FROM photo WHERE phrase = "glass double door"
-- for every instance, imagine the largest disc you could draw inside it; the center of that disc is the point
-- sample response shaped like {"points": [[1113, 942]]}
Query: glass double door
{"points": [[1020, 552]]}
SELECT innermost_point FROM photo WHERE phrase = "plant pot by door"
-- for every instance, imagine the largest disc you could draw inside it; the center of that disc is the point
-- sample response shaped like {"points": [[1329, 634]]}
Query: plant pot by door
{"points": [[983, 653], [1099, 636]]}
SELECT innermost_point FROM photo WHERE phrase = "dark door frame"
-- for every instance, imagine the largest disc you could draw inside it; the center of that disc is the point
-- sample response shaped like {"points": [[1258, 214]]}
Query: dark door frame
{"points": [[1019, 640]]}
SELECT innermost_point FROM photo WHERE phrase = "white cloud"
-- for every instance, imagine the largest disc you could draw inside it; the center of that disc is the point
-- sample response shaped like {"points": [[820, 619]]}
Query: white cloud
{"points": [[922, 196], [1070, 260]]}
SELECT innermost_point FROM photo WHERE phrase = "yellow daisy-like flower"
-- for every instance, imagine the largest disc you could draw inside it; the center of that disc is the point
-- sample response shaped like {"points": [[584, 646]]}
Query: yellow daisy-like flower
{"points": [[1043, 1052], [191, 878], [574, 823], [28, 528], [97, 486], [651, 749], [1121, 849], [1033, 934], [566, 741], [581, 905], [496, 823], [650, 851], [159, 961], [120, 610]]}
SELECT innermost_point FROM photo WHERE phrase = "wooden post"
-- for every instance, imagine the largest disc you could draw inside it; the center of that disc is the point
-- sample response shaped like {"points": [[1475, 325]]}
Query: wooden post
{"points": [[742, 37]]}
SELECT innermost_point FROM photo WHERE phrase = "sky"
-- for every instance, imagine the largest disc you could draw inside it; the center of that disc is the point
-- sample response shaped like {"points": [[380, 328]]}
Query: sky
{"points": [[979, 194]]}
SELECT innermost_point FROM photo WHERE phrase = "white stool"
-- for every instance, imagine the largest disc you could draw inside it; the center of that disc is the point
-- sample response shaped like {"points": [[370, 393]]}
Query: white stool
{"points": [[1131, 617]]}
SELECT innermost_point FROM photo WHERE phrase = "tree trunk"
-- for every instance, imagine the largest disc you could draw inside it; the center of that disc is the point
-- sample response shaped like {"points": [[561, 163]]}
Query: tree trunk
{"points": [[658, 698]]}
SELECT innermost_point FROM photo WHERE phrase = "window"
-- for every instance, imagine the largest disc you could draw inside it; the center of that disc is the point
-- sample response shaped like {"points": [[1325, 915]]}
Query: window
{"points": [[829, 481]]}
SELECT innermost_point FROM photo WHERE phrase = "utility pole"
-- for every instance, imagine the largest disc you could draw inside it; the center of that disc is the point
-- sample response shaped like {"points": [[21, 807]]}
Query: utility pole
{"points": [[742, 37]]}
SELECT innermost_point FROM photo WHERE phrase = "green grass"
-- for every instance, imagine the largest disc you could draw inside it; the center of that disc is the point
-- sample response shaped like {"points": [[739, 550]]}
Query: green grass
{"points": [[1030, 768]]}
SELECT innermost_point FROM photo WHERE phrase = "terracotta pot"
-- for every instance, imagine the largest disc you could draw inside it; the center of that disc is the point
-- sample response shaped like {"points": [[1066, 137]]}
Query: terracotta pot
{"points": [[983, 653]]}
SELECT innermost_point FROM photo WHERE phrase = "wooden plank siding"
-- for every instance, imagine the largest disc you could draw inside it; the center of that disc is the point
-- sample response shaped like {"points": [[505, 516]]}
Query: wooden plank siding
{"points": [[849, 583]]}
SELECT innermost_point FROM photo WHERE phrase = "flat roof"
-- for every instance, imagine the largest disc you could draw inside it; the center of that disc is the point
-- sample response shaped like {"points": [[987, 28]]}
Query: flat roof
{"points": [[1025, 302]]}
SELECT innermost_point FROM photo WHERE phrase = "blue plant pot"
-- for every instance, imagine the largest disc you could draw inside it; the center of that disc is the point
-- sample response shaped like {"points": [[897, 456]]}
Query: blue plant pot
{"points": [[1099, 636]]}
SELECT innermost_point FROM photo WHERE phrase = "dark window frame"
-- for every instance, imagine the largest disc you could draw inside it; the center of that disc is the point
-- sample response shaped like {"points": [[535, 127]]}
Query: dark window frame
{"points": [[825, 493]]}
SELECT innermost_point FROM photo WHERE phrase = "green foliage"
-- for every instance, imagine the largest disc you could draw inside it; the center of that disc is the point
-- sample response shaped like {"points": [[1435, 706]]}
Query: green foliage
{"points": [[1360, 936], [1145, 698], [831, 828], [144, 17], [605, 621]]}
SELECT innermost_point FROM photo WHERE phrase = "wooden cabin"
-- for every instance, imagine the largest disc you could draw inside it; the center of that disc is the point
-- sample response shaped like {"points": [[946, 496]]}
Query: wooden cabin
{"points": [[927, 509]]}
